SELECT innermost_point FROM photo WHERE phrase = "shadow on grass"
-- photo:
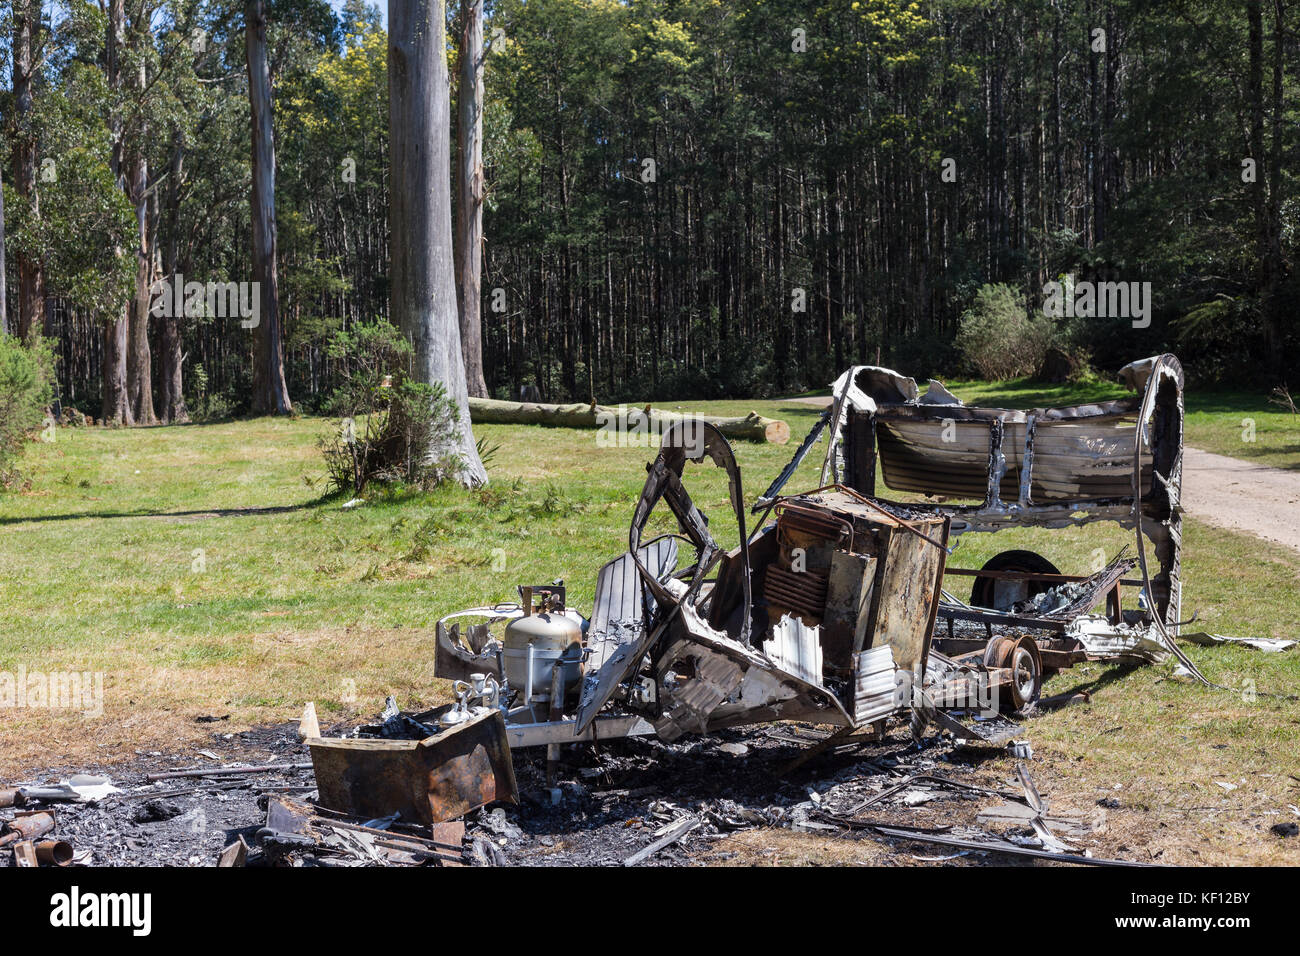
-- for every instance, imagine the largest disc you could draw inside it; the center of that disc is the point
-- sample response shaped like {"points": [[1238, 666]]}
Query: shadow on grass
{"points": [[1109, 676], [1264, 451], [197, 513]]}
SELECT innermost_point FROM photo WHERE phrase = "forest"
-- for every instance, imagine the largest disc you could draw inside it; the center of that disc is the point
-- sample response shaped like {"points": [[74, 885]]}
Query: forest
{"points": [[679, 198]]}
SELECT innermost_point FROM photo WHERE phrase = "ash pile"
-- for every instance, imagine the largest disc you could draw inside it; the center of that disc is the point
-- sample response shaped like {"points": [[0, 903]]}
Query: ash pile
{"points": [[255, 800]]}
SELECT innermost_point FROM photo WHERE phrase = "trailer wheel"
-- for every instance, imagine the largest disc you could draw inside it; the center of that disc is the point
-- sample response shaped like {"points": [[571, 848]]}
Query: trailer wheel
{"points": [[1019, 656], [1001, 595]]}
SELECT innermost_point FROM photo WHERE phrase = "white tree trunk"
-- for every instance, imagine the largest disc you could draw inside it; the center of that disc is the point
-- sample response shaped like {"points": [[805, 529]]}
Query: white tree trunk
{"points": [[270, 393], [423, 283], [469, 197]]}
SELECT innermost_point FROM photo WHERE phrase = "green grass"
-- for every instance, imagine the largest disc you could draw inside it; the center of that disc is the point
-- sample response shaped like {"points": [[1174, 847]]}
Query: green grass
{"points": [[200, 569]]}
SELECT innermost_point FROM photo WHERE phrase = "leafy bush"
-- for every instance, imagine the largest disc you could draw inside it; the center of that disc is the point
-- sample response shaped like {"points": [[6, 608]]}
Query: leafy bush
{"points": [[1221, 340], [392, 428], [998, 337], [26, 372]]}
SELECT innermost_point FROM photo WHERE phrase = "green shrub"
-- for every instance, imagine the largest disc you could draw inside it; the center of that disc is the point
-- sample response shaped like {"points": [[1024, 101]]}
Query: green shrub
{"points": [[391, 428], [998, 338], [26, 374]]}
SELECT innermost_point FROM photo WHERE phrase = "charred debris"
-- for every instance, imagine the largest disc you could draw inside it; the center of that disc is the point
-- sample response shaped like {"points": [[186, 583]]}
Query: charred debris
{"points": [[833, 615], [834, 609]]}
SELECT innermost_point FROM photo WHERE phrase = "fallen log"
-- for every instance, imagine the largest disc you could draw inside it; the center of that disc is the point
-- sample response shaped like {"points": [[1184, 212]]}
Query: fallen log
{"points": [[630, 420]]}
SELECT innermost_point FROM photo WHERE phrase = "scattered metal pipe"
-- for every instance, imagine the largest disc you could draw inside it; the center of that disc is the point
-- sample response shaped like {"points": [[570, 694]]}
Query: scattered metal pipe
{"points": [[54, 853], [27, 828], [225, 771]]}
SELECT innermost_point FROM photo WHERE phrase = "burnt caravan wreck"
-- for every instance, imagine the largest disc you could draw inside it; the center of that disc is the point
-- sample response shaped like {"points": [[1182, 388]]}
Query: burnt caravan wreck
{"points": [[835, 608]]}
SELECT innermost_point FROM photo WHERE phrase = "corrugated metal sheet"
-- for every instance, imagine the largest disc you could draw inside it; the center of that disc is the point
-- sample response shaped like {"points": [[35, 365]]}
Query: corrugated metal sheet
{"points": [[796, 648], [1071, 460], [873, 685]]}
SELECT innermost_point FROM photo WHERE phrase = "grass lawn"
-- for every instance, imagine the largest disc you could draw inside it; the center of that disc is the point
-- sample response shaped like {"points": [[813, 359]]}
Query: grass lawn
{"points": [[199, 569]]}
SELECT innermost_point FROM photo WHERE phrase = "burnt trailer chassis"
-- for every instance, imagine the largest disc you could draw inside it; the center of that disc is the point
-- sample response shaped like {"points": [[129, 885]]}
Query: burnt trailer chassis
{"points": [[829, 613], [1117, 461]]}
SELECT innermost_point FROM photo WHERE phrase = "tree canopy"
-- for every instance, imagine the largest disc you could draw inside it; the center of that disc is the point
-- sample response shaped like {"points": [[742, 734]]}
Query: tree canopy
{"points": [[682, 197]]}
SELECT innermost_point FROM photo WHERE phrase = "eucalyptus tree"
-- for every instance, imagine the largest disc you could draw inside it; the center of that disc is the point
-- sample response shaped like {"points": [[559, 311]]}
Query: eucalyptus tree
{"points": [[423, 303]]}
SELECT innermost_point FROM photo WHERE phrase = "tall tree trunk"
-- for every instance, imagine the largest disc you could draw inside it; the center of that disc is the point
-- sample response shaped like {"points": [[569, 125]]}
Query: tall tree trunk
{"points": [[31, 272], [471, 187], [1273, 261], [423, 284], [115, 405], [139, 373], [1255, 98], [170, 358], [4, 301], [270, 393]]}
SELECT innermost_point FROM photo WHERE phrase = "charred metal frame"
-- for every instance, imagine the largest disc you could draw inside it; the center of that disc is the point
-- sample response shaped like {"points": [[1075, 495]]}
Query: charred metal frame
{"points": [[868, 397], [737, 637]]}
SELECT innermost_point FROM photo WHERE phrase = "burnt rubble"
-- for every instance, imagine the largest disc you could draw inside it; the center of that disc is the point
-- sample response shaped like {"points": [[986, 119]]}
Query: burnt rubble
{"points": [[635, 801], [818, 677]]}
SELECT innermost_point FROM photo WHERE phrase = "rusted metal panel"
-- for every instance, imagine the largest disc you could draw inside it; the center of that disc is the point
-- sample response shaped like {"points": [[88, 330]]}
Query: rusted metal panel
{"points": [[432, 780], [942, 456], [1081, 453], [803, 592], [848, 607], [907, 595]]}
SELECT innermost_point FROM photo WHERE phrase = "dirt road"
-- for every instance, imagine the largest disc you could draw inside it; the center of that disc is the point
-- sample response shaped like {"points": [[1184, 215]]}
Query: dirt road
{"points": [[1229, 493], [1242, 496]]}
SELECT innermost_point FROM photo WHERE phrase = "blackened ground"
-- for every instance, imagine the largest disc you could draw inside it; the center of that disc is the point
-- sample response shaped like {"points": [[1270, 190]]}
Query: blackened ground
{"points": [[185, 821], [613, 798]]}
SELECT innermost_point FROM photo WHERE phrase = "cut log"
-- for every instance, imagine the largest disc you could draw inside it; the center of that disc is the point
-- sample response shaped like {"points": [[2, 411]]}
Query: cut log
{"points": [[628, 419]]}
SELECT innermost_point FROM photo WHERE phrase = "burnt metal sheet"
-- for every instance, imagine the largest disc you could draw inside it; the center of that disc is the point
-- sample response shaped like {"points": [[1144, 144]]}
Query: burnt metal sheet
{"points": [[1091, 590], [1044, 460], [942, 456], [875, 687], [688, 707], [460, 654], [848, 608], [993, 845], [907, 594], [690, 441], [598, 688], [766, 691], [796, 649], [432, 780], [683, 442], [561, 731], [1102, 640], [617, 615]]}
